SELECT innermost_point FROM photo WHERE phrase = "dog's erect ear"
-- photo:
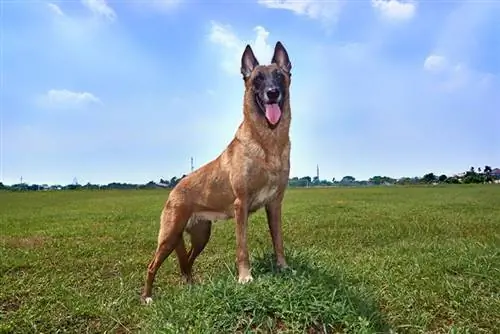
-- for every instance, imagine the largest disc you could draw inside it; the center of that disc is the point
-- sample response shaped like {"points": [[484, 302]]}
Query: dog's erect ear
{"points": [[280, 58], [248, 62]]}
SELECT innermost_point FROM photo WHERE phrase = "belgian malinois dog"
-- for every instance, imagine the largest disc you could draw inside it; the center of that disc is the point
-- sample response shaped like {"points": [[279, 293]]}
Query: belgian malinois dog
{"points": [[251, 173]]}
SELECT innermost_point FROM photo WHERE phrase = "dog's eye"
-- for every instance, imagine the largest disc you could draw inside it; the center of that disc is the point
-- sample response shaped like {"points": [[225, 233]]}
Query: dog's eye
{"points": [[278, 75], [258, 79]]}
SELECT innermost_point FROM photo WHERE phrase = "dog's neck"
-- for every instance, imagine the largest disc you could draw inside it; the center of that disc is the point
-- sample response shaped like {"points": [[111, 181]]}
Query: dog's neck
{"points": [[254, 127]]}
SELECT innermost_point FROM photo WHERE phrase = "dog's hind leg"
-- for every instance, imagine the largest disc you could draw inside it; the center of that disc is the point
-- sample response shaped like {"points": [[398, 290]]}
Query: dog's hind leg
{"points": [[200, 235], [173, 222], [182, 258]]}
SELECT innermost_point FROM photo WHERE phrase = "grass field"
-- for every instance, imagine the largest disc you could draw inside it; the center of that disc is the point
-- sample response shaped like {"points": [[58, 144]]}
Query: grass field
{"points": [[410, 260]]}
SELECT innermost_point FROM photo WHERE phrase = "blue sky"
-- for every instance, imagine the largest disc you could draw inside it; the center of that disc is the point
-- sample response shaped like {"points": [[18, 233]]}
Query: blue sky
{"points": [[129, 91]]}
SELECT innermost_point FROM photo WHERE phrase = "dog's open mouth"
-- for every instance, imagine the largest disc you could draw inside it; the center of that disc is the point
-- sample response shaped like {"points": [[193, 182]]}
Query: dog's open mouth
{"points": [[272, 111]]}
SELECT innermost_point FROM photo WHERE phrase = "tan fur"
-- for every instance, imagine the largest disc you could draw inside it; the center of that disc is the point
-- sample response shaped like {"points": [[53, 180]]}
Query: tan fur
{"points": [[251, 173]]}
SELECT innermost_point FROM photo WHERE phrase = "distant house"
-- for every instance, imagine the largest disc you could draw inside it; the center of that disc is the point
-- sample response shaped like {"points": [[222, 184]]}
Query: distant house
{"points": [[495, 173]]}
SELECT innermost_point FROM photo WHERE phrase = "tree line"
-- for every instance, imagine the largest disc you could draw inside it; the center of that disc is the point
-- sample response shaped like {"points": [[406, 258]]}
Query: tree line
{"points": [[473, 175]]}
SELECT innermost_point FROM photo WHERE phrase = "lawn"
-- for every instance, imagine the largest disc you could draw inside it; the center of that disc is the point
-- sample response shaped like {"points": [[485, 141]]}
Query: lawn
{"points": [[366, 260]]}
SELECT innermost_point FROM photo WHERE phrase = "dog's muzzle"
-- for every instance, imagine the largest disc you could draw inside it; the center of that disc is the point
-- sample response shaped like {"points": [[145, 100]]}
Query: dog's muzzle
{"points": [[272, 95]]}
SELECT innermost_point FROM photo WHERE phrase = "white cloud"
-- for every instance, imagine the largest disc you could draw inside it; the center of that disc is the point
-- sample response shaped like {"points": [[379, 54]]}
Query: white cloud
{"points": [[233, 46], [326, 11], [435, 63], [395, 10], [55, 9], [68, 99], [100, 8], [451, 65], [449, 75]]}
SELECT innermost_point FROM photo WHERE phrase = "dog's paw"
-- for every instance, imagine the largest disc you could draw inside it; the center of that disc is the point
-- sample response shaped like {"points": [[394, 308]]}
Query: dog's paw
{"points": [[282, 266], [286, 269], [148, 301], [245, 279]]}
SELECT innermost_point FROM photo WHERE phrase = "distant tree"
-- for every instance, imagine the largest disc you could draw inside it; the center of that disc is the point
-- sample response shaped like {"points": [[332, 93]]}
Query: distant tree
{"points": [[487, 174], [333, 180], [173, 181], [404, 180], [453, 180], [325, 183], [442, 178], [375, 180], [294, 182], [73, 186], [382, 180], [33, 187], [472, 177], [307, 178], [348, 179], [429, 178], [91, 186], [150, 185], [19, 186]]}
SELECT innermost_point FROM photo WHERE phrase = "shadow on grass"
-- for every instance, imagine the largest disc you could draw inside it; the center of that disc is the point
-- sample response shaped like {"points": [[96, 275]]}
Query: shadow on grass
{"points": [[306, 299]]}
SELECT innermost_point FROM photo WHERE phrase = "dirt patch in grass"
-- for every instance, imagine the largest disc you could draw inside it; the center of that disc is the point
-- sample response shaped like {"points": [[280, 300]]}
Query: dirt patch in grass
{"points": [[24, 242], [9, 304]]}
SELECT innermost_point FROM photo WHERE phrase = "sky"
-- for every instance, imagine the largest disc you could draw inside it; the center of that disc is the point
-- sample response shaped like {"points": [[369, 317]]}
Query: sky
{"points": [[129, 91]]}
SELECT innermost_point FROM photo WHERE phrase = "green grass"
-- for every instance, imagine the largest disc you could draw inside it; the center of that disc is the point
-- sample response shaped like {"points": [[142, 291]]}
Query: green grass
{"points": [[366, 260]]}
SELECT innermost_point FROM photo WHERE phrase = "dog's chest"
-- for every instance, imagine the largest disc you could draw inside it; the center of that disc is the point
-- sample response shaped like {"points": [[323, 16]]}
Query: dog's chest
{"points": [[265, 194]]}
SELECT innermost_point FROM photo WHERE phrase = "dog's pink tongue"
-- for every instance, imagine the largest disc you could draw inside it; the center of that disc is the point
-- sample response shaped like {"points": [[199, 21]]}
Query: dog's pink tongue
{"points": [[273, 113]]}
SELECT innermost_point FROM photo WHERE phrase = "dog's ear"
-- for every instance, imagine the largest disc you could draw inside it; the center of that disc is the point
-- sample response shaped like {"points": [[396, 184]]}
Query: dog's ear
{"points": [[280, 58], [248, 62]]}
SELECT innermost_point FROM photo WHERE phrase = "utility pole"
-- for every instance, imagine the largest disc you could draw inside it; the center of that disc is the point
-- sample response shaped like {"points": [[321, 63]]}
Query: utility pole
{"points": [[317, 172], [192, 164]]}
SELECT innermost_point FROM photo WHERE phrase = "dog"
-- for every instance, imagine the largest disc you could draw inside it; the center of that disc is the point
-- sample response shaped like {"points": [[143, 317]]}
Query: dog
{"points": [[251, 173]]}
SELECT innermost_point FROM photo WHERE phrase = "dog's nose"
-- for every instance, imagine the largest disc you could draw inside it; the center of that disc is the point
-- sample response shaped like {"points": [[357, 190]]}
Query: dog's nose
{"points": [[273, 94]]}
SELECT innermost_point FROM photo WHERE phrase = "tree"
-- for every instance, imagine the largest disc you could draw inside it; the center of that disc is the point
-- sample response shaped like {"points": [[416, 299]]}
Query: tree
{"points": [[487, 171], [429, 178], [405, 180], [442, 178], [306, 178], [348, 179], [376, 180], [173, 181]]}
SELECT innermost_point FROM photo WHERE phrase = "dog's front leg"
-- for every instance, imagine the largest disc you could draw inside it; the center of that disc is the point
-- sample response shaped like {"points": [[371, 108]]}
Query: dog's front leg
{"points": [[273, 213], [241, 217]]}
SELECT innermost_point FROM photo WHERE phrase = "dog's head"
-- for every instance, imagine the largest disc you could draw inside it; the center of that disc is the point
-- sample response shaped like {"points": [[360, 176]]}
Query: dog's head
{"points": [[267, 86]]}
